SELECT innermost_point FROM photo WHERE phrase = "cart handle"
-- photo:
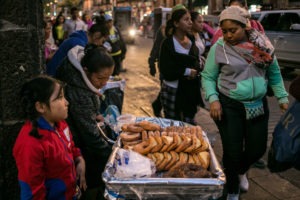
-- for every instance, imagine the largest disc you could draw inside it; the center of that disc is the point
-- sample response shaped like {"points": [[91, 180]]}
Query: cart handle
{"points": [[110, 141]]}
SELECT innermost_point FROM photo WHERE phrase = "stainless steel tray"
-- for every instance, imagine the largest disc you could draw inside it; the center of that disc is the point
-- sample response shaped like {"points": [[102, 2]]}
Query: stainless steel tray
{"points": [[164, 188]]}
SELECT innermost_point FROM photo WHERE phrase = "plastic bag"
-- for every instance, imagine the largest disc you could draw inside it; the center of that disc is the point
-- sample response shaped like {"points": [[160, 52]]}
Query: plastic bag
{"points": [[124, 119], [129, 164]]}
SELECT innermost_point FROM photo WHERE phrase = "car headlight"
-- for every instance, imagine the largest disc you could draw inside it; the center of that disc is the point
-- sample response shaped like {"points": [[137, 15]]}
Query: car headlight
{"points": [[132, 32]]}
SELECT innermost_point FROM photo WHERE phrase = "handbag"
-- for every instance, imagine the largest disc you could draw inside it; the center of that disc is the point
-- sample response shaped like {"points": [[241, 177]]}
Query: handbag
{"points": [[284, 152]]}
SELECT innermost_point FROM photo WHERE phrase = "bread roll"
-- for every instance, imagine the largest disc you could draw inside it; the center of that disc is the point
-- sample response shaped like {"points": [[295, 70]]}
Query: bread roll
{"points": [[129, 137], [204, 158], [166, 160], [174, 160]]}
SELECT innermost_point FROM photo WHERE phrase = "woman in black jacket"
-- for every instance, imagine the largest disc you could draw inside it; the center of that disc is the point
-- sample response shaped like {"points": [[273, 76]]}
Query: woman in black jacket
{"points": [[179, 66], [84, 78]]}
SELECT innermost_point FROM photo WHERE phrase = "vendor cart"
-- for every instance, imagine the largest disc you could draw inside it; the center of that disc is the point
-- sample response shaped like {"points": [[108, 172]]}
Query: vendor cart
{"points": [[164, 188]]}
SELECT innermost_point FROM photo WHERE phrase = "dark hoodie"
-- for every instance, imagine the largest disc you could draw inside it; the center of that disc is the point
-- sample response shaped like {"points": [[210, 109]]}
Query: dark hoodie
{"points": [[77, 38], [84, 106]]}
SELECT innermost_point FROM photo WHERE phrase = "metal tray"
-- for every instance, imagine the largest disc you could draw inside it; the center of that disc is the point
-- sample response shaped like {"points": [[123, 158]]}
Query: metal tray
{"points": [[164, 188]]}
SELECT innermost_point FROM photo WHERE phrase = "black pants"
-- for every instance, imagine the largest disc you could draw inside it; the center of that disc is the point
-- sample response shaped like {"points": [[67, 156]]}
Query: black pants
{"points": [[244, 141], [117, 60], [95, 164]]}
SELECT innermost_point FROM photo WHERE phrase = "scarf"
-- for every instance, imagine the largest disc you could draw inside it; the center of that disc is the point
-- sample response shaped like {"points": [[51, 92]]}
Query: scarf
{"points": [[258, 50]]}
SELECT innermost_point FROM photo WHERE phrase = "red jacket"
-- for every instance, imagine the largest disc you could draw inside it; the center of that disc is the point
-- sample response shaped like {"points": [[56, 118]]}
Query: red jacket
{"points": [[46, 168]]}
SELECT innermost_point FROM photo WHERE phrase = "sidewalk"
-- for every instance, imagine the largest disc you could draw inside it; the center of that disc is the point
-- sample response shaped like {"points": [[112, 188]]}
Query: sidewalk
{"points": [[263, 184]]}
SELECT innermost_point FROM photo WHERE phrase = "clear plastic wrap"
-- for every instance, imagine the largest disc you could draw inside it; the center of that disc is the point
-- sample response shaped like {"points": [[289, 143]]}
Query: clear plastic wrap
{"points": [[129, 164]]}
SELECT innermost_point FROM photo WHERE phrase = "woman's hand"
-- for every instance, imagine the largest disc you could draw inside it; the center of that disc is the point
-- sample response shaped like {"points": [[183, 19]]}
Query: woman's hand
{"points": [[99, 118], [216, 110], [283, 107], [80, 172], [193, 74]]}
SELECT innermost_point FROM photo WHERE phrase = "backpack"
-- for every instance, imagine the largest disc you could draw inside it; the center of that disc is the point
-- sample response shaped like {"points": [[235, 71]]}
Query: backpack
{"points": [[284, 152]]}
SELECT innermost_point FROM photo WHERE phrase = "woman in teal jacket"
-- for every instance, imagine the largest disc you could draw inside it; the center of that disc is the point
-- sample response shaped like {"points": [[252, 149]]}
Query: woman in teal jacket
{"points": [[238, 69]]}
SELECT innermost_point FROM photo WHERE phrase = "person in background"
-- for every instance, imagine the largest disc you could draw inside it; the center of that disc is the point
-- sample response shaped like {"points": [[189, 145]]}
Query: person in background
{"points": [[152, 60], [97, 34], [179, 66], [197, 31], [47, 160], [58, 30], [115, 45], [50, 48], [253, 23], [86, 18], [74, 24], [295, 88], [235, 84], [86, 71]]}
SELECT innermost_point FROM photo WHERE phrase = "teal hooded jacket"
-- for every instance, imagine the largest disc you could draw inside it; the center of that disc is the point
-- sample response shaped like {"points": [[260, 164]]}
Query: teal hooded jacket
{"points": [[227, 72]]}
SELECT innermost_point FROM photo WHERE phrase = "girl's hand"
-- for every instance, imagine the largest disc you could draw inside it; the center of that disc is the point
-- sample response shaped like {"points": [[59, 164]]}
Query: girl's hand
{"points": [[80, 172], [216, 110], [283, 107]]}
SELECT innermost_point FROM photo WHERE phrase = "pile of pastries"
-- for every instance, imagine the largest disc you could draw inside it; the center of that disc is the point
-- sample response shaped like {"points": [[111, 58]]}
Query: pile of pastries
{"points": [[168, 147]]}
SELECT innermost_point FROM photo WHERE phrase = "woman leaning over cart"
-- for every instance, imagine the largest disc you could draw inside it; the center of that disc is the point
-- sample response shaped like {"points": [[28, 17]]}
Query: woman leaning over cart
{"points": [[179, 66], [84, 78], [235, 78]]}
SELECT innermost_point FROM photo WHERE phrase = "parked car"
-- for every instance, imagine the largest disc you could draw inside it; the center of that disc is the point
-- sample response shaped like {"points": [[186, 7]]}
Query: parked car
{"points": [[283, 29]]}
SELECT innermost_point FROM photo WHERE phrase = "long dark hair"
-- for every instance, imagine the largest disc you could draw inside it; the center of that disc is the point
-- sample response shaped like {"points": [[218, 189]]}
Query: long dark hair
{"points": [[194, 15], [175, 17], [38, 89], [96, 58]]}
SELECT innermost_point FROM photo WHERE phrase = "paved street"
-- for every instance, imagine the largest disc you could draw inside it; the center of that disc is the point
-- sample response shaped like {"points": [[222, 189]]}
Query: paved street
{"points": [[141, 90]]}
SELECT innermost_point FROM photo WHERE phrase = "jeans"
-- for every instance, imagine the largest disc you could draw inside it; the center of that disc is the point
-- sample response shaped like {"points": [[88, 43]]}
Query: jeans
{"points": [[244, 141]]}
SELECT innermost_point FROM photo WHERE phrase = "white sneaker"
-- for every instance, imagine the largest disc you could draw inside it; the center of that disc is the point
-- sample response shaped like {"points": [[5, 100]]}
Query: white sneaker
{"points": [[244, 184], [233, 196]]}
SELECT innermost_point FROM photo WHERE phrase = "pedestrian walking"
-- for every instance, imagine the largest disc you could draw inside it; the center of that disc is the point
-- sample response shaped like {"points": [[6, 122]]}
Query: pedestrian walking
{"points": [[117, 46], [47, 160], [238, 69], [152, 61], [58, 30], [86, 71], [197, 31], [179, 66], [74, 24], [50, 47], [256, 25]]}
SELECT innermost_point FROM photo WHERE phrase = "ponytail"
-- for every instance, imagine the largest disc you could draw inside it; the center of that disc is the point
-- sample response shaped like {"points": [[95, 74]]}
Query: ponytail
{"points": [[34, 132], [175, 17], [96, 59], [38, 89]]}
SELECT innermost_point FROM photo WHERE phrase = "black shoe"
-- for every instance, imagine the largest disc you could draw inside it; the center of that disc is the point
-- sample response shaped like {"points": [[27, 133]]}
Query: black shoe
{"points": [[156, 109], [259, 164]]}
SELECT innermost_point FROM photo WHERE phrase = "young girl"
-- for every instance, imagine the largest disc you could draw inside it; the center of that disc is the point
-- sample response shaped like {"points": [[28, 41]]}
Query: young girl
{"points": [[44, 150], [179, 67]]}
